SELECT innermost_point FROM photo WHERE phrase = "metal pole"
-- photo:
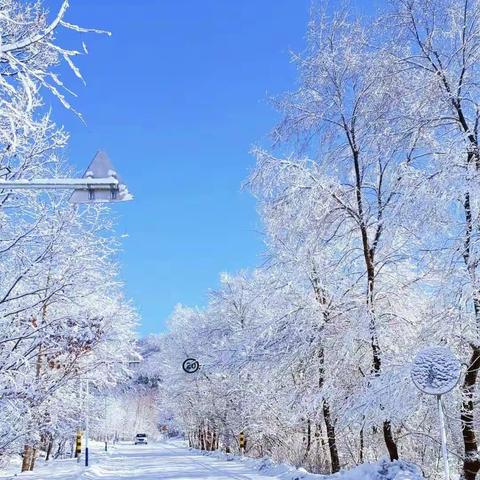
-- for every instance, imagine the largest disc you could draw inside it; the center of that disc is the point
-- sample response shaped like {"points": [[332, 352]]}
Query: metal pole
{"points": [[81, 405], [106, 435], [106, 183], [87, 410], [443, 434]]}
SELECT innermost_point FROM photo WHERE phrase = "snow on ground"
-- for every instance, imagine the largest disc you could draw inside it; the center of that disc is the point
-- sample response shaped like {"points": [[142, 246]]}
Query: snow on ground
{"points": [[173, 461], [383, 470]]}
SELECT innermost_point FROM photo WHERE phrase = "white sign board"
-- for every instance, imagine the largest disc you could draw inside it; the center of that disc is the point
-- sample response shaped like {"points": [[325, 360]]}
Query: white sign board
{"points": [[98, 189]]}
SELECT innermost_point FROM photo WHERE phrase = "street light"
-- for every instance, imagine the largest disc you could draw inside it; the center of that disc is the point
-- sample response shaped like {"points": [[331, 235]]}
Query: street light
{"points": [[99, 184]]}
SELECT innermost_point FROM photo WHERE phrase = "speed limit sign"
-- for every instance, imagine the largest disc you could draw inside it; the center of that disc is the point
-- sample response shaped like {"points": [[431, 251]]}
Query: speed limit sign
{"points": [[190, 365]]}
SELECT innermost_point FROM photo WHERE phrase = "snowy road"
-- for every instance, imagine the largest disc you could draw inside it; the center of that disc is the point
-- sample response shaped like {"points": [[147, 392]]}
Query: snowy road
{"points": [[161, 461]]}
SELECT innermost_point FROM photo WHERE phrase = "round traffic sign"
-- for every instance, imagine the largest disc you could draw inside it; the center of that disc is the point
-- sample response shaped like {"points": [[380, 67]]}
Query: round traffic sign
{"points": [[190, 365], [435, 370]]}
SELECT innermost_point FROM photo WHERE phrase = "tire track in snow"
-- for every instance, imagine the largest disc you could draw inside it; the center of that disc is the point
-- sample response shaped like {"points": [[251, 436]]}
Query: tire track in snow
{"points": [[211, 468]]}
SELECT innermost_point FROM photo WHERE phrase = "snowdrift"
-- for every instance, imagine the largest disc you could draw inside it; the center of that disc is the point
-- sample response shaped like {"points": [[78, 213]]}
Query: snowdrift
{"points": [[382, 470]]}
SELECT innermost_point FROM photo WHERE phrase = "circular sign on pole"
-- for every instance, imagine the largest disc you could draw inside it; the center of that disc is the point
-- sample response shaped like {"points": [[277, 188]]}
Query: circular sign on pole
{"points": [[190, 365], [435, 370]]}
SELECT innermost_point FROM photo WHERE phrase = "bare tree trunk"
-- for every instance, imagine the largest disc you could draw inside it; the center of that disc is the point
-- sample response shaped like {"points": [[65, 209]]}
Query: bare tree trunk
{"points": [[32, 459], [332, 446], [202, 438], [208, 438], [322, 446], [307, 440], [27, 455], [214, 439], [329, 423], [361, 445], [369, 255], [471, 463], [60, 449], [49, 449], [389, 440]]}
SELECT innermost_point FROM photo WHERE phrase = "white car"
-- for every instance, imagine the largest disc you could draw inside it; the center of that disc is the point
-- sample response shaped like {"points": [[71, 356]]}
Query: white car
{"points": [[141, 439]]}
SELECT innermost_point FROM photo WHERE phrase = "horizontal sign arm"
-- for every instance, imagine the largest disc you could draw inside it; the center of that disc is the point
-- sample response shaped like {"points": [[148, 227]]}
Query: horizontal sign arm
{"points": [[108, 183]]}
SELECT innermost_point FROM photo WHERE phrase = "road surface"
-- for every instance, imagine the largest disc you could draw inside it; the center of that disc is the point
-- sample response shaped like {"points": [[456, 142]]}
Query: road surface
{"points": [[169, 460]]}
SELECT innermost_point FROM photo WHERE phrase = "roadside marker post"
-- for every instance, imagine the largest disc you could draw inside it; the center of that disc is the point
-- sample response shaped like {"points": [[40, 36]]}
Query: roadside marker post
{"points": [[78, 446], [242, 443]]}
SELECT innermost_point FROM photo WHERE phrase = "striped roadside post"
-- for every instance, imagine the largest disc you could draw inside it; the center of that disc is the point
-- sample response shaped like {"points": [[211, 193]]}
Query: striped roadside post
{"points": [[242, 442], [78, 446]]}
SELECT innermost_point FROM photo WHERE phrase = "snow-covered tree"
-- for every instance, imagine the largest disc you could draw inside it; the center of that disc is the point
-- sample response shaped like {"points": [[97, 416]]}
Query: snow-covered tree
{"points": [[62, 313], [369, 202]]}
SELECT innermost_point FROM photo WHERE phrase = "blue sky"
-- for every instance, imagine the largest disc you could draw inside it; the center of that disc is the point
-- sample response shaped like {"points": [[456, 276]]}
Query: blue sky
{"points": [[177, 96]]}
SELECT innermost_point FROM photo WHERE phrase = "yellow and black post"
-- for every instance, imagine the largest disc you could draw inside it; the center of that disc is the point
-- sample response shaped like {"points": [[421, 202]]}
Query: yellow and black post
{"points": [[242, 443], [78, 445]]}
